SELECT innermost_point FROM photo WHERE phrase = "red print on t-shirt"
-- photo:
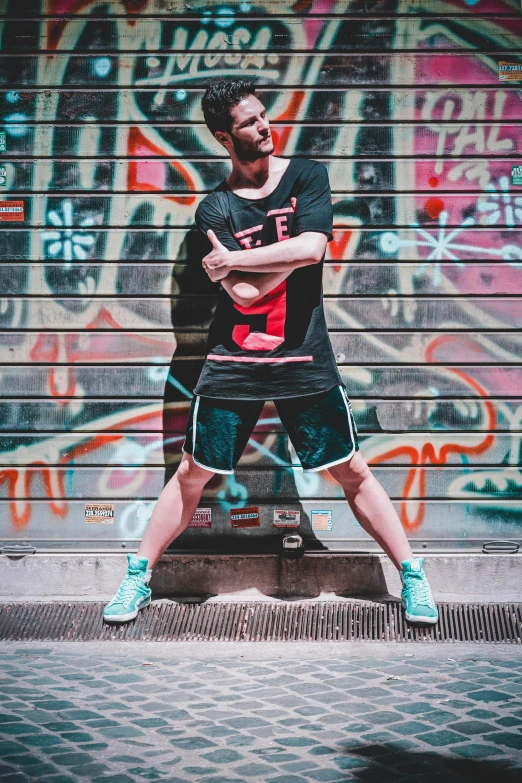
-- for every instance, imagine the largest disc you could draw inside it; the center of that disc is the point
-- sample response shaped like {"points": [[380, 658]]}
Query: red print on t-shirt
{"points": [[273, 304]]}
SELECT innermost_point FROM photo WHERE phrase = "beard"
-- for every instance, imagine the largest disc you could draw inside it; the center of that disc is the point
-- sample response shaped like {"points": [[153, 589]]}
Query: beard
{"points": [[249, 151]]}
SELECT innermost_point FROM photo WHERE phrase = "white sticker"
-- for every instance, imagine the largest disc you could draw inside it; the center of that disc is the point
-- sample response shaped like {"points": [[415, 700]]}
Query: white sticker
{"points": [[287, 517], [321, 520], [99, 513], [202, 518], [144, 511]]}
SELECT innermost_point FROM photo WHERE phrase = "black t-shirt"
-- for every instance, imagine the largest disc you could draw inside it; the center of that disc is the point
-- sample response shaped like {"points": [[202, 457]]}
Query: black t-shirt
{"points": [[279, 346]]}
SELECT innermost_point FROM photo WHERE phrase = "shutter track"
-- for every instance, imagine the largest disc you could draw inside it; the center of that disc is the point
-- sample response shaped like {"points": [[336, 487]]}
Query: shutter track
{"points": [[262, 621]]}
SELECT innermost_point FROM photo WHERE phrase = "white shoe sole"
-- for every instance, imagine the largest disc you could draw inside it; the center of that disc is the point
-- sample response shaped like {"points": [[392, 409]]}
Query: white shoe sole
{"points": [[414, 618], [124, 618]]}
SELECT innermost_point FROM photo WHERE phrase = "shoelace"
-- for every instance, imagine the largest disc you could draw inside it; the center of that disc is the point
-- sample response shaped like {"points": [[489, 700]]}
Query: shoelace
{"points": [[127, 588], [420, 589]]}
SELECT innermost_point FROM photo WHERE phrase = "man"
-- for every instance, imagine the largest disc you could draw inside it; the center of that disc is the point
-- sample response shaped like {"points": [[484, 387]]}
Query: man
{"points": [[268, 223]]}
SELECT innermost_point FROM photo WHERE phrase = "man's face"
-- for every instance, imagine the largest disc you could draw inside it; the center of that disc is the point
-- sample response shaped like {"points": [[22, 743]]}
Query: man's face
{"points": [[250, 131]]}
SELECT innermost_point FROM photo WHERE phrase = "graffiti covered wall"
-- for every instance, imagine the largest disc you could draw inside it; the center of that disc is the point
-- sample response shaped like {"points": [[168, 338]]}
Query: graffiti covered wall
{"points": [[414, 106]]}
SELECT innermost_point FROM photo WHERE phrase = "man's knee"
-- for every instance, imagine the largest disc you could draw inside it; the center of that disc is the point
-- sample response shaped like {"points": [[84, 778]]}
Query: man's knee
{"points": [[189, 473], [353, 472]]}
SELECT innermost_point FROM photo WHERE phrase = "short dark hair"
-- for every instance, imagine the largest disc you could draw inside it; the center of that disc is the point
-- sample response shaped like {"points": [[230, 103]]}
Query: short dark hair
{"points": [[220, 97]]}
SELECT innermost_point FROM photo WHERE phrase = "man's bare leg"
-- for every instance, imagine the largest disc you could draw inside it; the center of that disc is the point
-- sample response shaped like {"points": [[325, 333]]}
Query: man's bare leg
{"points": [[171, 515], [372, 507], [174, 509]]}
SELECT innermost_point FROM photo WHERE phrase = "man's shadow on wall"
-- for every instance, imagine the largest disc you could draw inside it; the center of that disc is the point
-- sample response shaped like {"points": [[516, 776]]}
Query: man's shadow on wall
{"points": [[194, 299]]}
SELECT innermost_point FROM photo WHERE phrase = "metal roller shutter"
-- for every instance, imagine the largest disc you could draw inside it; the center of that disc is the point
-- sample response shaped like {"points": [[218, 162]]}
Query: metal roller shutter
{"points": [[414, 106]]}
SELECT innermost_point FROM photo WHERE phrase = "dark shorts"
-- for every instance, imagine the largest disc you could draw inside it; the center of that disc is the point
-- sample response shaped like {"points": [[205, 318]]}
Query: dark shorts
{"points": [[320, 426]]}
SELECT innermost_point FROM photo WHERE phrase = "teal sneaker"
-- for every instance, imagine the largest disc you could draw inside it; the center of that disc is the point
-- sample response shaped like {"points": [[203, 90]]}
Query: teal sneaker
{"points": [[133, 593], [416, 596]]}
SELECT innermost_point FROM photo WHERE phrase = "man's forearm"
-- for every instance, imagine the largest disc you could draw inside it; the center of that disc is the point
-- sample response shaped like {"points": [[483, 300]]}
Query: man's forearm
{"points": [[278, 257], [246, 288]]}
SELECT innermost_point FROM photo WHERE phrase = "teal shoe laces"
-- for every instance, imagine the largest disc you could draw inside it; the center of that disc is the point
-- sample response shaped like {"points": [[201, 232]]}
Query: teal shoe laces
{"points": [[419, 588], [127, 588]]}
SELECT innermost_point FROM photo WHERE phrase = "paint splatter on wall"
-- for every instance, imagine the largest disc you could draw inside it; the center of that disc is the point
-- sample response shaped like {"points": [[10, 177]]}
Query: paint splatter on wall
{"points": [[104, 309]]}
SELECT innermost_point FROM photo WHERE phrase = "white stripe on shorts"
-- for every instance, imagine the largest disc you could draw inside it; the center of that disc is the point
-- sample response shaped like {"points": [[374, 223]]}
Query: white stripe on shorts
{"points": [[194, 426], [350, 455]]}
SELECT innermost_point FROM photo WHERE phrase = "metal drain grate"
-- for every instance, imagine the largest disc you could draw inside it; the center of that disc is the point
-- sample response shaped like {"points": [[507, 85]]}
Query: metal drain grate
{"points": [[259, 622]]}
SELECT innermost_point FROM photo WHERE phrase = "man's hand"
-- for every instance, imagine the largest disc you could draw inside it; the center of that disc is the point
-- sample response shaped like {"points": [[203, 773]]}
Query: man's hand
{"points": [[216, 263]]}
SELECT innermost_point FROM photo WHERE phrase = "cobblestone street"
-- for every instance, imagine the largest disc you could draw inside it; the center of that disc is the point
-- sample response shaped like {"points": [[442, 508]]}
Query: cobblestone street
{"points": [[284, 713]]}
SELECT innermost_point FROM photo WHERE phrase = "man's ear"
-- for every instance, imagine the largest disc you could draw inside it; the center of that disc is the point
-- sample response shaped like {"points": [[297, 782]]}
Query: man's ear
{"points": [[222, 137]]}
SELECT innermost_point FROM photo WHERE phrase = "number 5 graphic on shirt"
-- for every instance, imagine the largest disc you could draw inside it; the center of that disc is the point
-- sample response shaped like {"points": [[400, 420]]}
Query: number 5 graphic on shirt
{"points": [[273, 305]]}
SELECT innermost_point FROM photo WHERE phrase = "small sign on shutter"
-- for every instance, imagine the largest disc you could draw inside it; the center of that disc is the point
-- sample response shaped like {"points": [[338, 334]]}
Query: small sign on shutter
{"points": [[509, 71], [3, 175], [202, 518], [3, 142], [245, 517], [321, 520], [286, 517], [516, 175], [99, 513], [11, 210]]}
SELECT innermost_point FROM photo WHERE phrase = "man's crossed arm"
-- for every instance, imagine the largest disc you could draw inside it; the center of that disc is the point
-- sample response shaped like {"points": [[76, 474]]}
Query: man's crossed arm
{"points": [[247, 275]]}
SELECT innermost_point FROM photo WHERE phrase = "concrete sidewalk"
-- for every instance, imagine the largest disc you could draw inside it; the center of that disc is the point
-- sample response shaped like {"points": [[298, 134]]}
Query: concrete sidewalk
{"points": [[281, 712]]}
